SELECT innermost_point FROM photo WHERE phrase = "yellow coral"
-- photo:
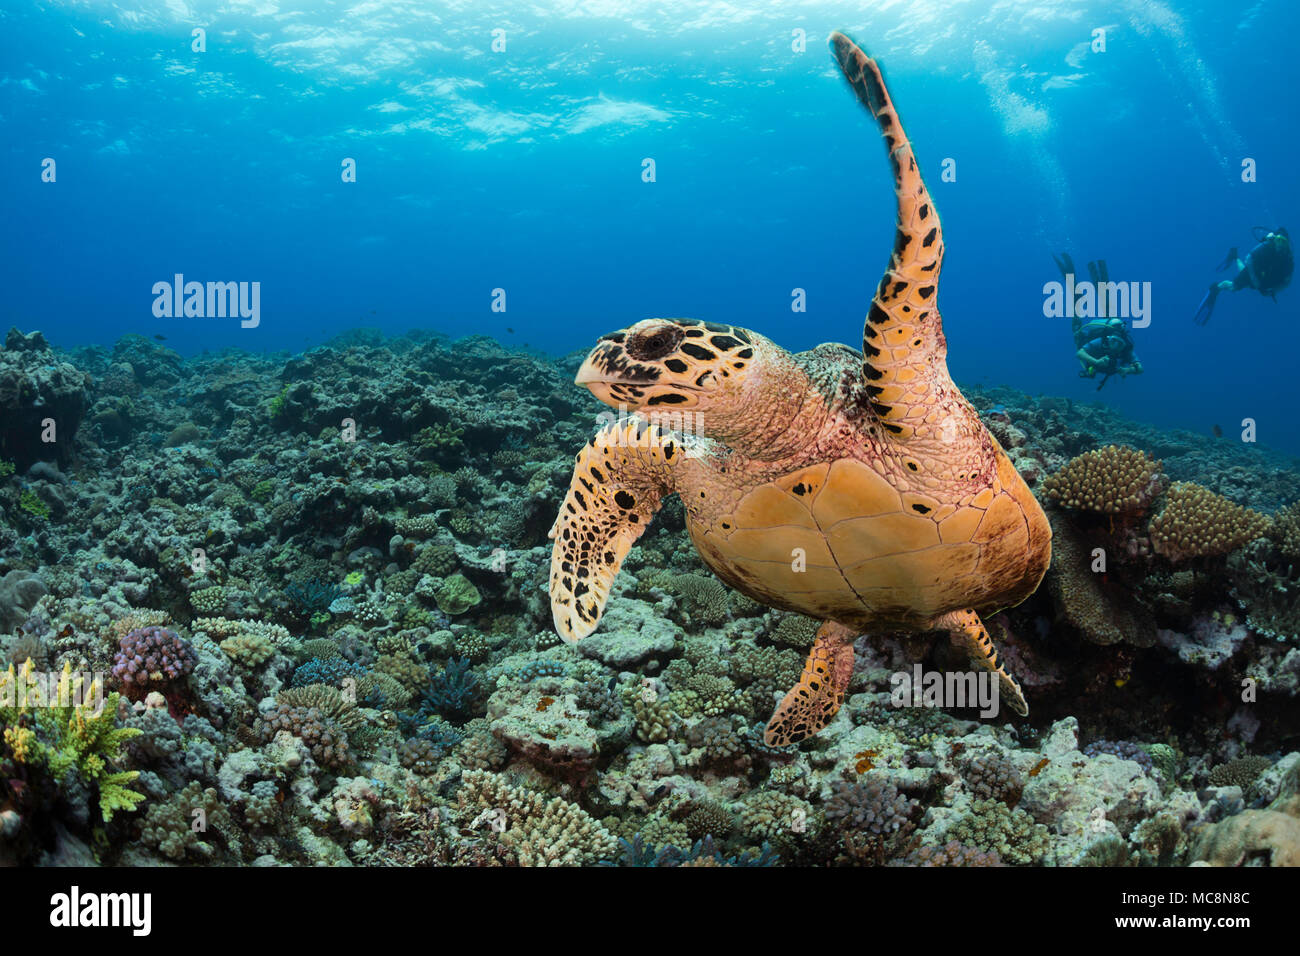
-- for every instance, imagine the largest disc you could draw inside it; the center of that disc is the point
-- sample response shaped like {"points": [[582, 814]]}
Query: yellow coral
{"points": [[1113, 479], [1196, 522]]}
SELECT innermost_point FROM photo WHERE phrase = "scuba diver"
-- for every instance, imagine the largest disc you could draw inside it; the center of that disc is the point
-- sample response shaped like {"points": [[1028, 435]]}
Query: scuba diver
{"points": [[1267, 269], [1102, 344]]}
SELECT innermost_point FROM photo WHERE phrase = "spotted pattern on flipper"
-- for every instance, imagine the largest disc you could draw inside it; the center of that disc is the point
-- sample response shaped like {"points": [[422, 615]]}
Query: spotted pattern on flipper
{"points": [[619, 480], [813, 702], [968, 632], [902, 339]]}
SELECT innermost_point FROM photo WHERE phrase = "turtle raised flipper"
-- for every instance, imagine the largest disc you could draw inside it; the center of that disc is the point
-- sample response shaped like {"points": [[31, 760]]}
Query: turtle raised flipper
{"points": [[813, 702], [902, 338], [968, 633], [619, 480]]}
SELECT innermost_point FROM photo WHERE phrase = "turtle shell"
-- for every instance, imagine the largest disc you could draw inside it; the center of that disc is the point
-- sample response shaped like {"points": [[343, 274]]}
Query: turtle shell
{"points": [[838, 541]]}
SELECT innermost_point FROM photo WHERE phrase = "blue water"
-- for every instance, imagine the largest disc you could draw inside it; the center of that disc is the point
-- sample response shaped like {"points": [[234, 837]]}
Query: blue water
{"points": [[522, 170]]}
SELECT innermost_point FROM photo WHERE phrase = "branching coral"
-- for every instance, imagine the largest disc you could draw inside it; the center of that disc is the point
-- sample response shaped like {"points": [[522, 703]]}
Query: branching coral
{"points": [[69, 727], [184, 825], [1013, 834], [1195, 522], [538, 830], [1240, 772], [991, 776], [705, 597], [1113, 479], [874, 819], [453, 692], [952, 853]]}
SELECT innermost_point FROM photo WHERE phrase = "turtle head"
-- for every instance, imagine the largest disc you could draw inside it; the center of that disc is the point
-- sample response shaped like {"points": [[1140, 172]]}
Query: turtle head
{"points": [[666, 364]]}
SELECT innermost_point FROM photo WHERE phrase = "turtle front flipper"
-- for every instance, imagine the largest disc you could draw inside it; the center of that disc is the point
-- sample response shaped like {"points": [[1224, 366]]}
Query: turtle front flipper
{"points": [[902, 338], [813, 702], [618, 482], [968, 632]]}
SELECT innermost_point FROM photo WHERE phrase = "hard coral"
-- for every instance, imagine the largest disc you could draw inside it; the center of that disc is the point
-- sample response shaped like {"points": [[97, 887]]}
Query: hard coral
{"points": [[1195, 522], [537, 830], [152, 655], [1112, 479], [327, 740]]}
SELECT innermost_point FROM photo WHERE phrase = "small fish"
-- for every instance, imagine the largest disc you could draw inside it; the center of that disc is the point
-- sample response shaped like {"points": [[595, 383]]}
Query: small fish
{"points": [[161, 338], [613, 682], [510, 330], [1218, 432], [661, 790]]}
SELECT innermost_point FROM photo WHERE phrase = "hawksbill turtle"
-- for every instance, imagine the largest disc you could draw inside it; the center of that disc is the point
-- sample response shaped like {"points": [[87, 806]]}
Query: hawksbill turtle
{"points": [[858, 488]]}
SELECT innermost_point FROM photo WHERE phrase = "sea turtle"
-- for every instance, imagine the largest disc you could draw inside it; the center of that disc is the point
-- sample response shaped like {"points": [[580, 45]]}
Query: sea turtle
{"points": [[859, 488]]}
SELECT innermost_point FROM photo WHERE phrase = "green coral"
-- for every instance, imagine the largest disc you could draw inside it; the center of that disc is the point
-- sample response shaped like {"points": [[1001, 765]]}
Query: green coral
{"points": [[1240, 772], [457, 595], [76, 737], [992, 825], [30, 502], [277, 403], [177, 831], [263, 490], [6, 468], [440, 438]]}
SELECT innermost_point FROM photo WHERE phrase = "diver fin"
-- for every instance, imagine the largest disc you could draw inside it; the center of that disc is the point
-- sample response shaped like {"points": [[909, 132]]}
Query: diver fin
{"points": [[1228, 260], [1206, 308], [1064, 264], [967, 632], [618, 482], [815, 700]]}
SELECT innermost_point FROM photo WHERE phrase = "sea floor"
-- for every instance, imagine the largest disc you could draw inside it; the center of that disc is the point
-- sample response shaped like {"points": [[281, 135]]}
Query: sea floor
{"points": [[311, 592]]}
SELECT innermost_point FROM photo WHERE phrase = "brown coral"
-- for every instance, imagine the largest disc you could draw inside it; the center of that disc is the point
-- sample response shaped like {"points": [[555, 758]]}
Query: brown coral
{"points": [[1196, 522], [1266, 836], [1286, 530], [1112, 480], [1102, 612]]}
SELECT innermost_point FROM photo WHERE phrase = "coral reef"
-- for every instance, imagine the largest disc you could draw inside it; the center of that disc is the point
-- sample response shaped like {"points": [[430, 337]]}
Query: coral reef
{"points": [[337, 648]]}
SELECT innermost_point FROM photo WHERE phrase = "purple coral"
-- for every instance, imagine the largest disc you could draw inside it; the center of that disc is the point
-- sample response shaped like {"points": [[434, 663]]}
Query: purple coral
{"points": [[153, 654], [1123, 749]]}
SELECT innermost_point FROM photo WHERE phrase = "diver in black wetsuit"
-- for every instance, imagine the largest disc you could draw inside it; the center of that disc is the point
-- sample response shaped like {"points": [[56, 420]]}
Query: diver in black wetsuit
{"points": [[1267, 269], [1103, 344]]}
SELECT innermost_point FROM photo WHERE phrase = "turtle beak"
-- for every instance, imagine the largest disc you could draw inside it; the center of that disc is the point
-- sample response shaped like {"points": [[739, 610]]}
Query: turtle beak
{"points": [[590, 372], [614, 377]]}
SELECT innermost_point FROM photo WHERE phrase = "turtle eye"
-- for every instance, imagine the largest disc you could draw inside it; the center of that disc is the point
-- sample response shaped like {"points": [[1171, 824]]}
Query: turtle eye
{"points": [[648, 346]]}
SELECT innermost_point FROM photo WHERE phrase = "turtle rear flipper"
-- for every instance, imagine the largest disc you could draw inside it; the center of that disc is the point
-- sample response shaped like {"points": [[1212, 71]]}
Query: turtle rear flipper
{"points": [[813, 702], [968, 632], [902, 338], [619, 481]]}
